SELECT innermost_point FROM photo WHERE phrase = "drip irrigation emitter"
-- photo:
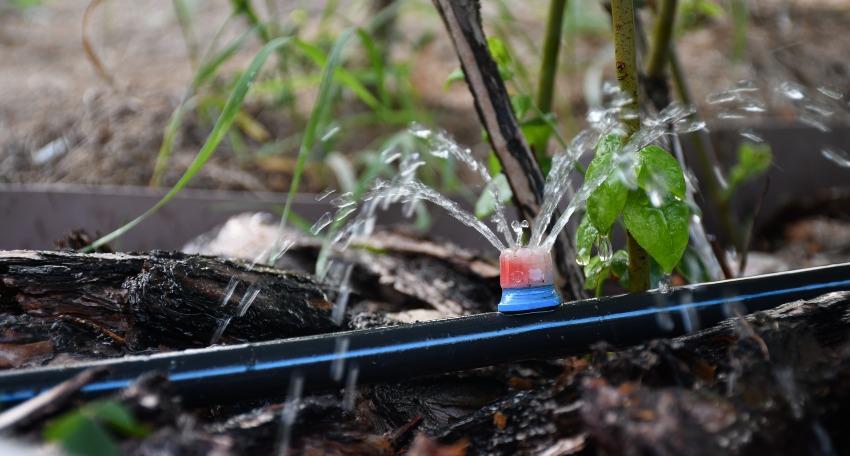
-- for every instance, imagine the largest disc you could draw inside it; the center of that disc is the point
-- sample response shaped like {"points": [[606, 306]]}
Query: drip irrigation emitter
{"points": [[262, 370], [527, 279]]}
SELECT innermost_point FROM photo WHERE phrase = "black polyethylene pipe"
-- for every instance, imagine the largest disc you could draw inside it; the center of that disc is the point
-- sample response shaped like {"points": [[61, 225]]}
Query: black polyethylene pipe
{"points": [[263, 370]]}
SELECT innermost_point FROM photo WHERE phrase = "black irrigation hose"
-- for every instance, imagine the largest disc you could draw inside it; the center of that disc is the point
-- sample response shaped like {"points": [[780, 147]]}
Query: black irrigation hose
{"points": [[263, 370]]}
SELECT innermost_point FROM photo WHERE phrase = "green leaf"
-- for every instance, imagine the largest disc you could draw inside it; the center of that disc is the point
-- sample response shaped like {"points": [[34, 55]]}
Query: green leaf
{"points": [[753, 161], [620, 266], [83, 431], [586, 236], [608, 145], [661, 231], [536, 130], [691, 267], [80, 435], [606, 202], [595, 273], [117, 417], [521, 103], [493, 163], [220, 129], [659, 171], [454, 76], [502, 56], [486, 204]]}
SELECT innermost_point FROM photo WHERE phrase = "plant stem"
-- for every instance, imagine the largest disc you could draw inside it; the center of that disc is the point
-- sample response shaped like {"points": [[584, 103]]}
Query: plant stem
{"points": [[549, 65], [551, 49], [740, 15], [661, 34], [625, 55]]}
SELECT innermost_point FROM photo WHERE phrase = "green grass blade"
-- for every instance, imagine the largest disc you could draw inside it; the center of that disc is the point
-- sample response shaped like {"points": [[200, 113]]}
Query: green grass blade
{"points": [[342, 75], [211, 66], [220, 129], [377, 61], [202, 75], [323, 101], [168, 139]]}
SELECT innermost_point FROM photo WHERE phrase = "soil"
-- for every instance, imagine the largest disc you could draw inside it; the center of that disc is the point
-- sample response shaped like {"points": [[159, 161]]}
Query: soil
{"points": [[61, 123]]}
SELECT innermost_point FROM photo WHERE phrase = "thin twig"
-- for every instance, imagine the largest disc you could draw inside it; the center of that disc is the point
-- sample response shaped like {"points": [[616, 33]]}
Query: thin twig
{"points": [[91, 55], [745, 247], [48, 401], [721, 258]]}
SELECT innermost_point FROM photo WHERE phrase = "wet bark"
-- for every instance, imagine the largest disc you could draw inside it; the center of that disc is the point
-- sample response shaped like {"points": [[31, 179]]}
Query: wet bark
{"points": [[56, 303]]}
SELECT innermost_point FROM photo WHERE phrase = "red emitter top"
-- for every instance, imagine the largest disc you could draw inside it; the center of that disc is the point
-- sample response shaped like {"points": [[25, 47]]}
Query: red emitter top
{"points": [[527, 276], [525, 267]]}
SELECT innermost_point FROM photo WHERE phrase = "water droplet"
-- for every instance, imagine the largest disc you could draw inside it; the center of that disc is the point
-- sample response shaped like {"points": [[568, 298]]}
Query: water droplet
{"points": [[341, 304], [753, 108], [831, 92], [684, 127], [219, 331], [290, 413], [838, 156], [330, 133], [247, 299], [338, 364], [408, 169], [665, 320], [228, 291], [604, 248], [665, 284], [733, 309], [751, 135], [324, 193], [583, 256], [349, 396], [320, 224], [720, 97], [343, 200], [814, 120], [517, 228], [730, 115], [791, 90], [655, 197], [343, 213], [285, 245], [690, 317], [420, 131], [818, 109], [390, 155], [440, 153]]}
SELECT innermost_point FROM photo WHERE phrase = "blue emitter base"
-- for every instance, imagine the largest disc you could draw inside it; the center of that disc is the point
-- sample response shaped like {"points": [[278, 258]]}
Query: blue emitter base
{"points": [[529, 299]]}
